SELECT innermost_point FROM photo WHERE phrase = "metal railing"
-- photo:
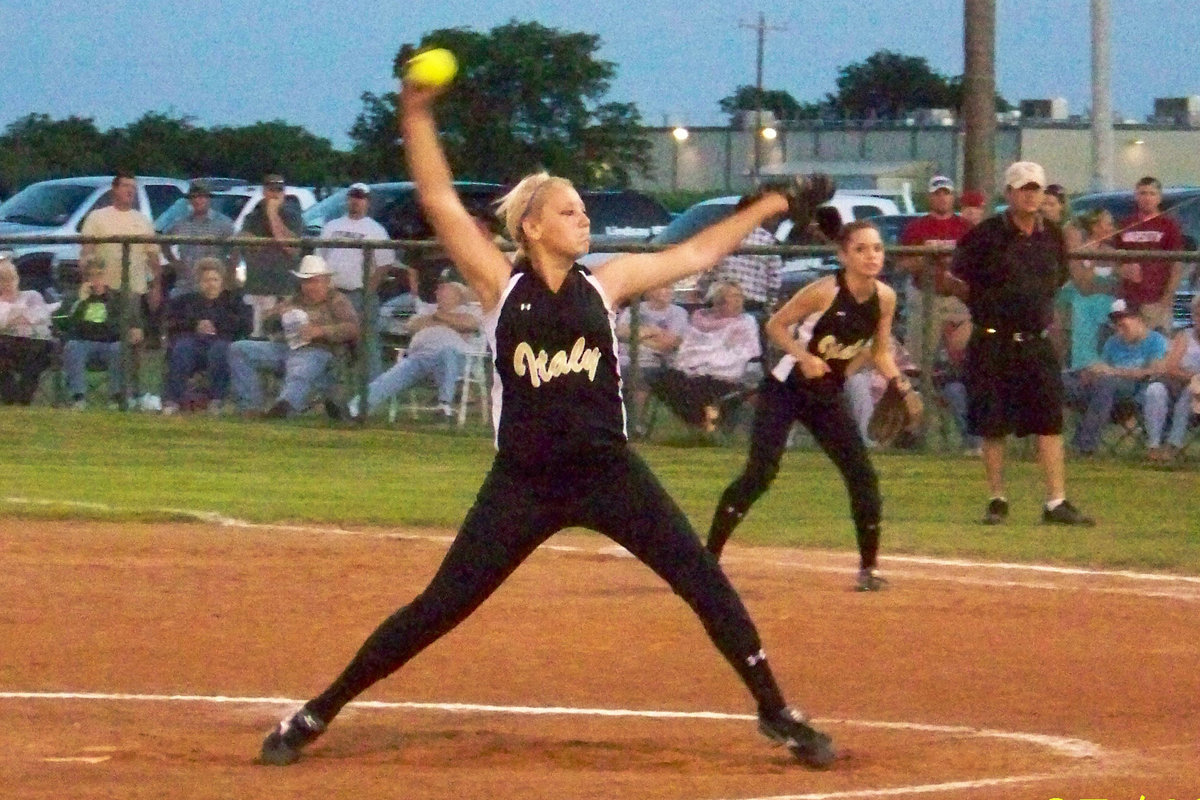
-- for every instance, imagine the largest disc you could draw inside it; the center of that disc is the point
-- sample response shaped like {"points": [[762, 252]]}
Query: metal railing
{"points": [[369, 340]]}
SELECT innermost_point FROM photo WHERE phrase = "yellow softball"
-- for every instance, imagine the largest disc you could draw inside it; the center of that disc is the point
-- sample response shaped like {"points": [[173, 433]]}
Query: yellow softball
{"points": [[435, 67]]}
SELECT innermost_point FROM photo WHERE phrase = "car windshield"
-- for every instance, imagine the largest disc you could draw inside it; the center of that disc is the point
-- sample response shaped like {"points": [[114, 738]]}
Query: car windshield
{"points": [[624, 214], [892, 225], [228, 204], [1120, 207], [175, 212], [692, 221], [331, 207], [48, 205]]}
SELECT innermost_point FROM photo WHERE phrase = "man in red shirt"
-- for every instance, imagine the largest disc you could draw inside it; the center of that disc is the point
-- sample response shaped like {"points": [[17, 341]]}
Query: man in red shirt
{"points": [[1149, 286], [941, 226]]}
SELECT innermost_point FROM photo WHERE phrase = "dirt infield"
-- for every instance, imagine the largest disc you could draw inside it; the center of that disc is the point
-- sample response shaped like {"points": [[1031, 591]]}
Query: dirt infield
{"points": [[147, 661]]}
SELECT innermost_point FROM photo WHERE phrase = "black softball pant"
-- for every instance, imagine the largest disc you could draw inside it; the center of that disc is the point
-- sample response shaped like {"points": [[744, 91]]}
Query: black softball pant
{"points": [[834, 430], [513, 514]]}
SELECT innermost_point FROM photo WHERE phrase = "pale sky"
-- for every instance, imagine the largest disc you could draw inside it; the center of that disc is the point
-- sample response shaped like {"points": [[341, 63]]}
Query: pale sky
{"points": [[305, 62]]}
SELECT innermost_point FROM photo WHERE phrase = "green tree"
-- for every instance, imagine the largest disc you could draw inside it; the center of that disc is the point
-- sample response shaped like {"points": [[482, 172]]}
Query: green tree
{"points": [[527, 97], [157, 144], [889, 85], [251, 151], [779, 102], [376, 155], [36, 147]]}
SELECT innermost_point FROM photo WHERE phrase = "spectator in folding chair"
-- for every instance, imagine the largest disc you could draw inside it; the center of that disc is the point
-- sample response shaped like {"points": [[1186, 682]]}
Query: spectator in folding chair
{"points": [[1087, 298], [436, 352], [661, 325], [950, 381], [93, 330], [1181, 372], [1130, 362], [201, 326], [319, 324], [26, 348], [706, 381]]}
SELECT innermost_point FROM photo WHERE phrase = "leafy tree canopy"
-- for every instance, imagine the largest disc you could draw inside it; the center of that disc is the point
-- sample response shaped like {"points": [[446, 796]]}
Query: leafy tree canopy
{"points": [[527, 97], [889, 85], [777, 101], [37, 147]]}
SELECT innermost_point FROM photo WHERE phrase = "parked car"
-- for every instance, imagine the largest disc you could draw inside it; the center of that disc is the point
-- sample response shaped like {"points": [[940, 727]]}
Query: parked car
{"points": [[619, 217], [235, 202], [796, 272], [394, 206], [1182, 203], [57, 208]]}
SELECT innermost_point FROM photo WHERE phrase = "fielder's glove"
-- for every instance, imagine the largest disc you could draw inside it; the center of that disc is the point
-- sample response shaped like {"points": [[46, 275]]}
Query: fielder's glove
{"points": [[804, 193], [899, 409]]}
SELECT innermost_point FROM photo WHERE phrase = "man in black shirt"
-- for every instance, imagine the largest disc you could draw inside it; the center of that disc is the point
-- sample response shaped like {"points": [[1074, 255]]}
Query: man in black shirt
{"points": [[1009, 269]]}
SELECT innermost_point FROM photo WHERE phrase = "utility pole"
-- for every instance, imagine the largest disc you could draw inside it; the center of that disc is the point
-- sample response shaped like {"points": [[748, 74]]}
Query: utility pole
{"points": [[1102, 113], [761, 27], [979, 95]]}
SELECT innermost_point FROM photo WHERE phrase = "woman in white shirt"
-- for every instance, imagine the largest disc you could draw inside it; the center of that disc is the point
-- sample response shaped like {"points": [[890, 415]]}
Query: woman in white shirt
{"points": [[25, 346]]}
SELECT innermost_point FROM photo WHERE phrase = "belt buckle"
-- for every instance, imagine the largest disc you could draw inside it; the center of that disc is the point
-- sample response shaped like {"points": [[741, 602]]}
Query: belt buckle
{"points": [[1019, 337]]}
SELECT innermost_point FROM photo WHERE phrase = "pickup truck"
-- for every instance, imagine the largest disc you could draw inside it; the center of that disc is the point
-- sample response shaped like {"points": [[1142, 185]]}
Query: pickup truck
{"points": [[57, 208]]}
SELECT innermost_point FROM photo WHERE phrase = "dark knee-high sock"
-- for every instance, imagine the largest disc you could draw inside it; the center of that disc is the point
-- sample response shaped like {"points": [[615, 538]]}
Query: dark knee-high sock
{"points": [[724, 520], [868, 545]]}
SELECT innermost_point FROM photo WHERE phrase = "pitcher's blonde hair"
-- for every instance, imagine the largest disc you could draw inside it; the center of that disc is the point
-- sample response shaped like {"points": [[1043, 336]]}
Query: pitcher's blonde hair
{"points": [[526, 199]]}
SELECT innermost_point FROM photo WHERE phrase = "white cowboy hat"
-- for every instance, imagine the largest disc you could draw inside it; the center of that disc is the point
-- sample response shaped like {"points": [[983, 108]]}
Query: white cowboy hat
{"points": [[312, 267]]}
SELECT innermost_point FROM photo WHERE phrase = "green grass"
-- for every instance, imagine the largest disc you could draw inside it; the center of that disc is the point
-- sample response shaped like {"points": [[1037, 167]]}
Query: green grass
{"points": [[135, 466]]}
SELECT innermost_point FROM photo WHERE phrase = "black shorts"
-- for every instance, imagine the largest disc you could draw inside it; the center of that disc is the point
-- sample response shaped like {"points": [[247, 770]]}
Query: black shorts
{"points": [[1013, 387]]}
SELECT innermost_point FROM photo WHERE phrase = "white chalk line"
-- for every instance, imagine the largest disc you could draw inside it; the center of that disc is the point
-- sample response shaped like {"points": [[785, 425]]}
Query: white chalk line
{"points": [[929, 788], [746, 556], [1066, 747], [1077, 749]]}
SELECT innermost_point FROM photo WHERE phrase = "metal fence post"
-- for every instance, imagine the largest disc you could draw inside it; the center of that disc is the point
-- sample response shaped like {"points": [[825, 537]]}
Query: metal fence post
{"points": [[368, 333], [125, 349]]}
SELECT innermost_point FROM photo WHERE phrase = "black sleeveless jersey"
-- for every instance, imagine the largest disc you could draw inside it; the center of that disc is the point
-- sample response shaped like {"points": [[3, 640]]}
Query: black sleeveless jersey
{"points": [[557, 390], [835, 335]]}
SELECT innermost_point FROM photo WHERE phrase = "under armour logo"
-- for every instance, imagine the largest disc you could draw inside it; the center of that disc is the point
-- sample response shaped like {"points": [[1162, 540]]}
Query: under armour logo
{"points": [[756, 659], [840, 314], [526, 306]]}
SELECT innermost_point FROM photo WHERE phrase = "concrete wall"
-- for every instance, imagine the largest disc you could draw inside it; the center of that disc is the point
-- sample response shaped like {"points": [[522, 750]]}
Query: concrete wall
{"points": [[720, 160], [1171, 155]]}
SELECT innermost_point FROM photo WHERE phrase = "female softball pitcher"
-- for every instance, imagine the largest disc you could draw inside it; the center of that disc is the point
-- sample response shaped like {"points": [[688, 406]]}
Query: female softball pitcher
{"points": [[562, 453], [841, 317]]}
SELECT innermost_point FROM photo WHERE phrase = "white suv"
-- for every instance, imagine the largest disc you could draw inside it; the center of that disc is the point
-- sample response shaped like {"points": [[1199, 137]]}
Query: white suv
{"points": [[57, 208]]}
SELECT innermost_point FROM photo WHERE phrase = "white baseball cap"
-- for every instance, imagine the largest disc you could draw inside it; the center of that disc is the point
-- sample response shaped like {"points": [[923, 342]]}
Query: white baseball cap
{"points": [[939, 182], [1023, 173], [359, 189]]}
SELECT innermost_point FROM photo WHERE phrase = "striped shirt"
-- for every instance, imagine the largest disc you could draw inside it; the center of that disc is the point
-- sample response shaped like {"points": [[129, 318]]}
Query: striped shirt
{"points": [[758, 276]]}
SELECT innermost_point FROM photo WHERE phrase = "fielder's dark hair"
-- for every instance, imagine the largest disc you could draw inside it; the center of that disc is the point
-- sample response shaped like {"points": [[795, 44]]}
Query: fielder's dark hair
{"points": [[123, 174], [849, 229], [1149, 180]]}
